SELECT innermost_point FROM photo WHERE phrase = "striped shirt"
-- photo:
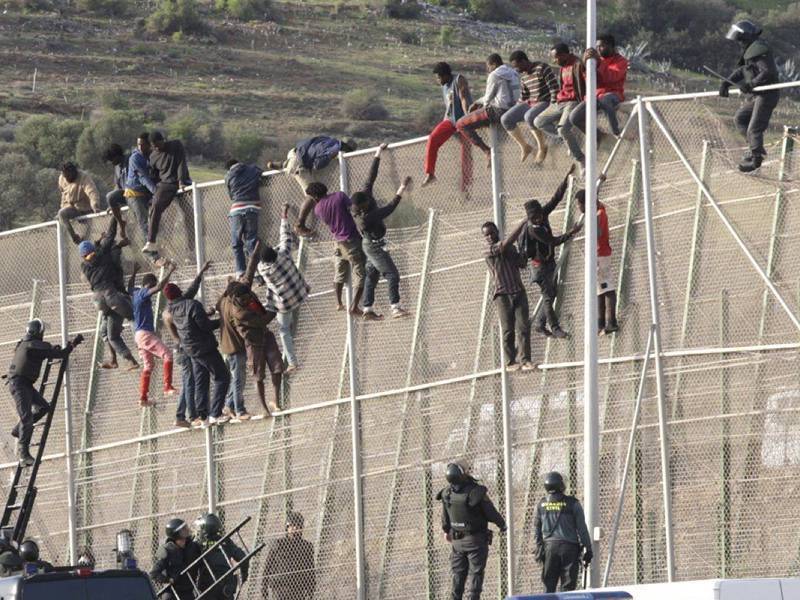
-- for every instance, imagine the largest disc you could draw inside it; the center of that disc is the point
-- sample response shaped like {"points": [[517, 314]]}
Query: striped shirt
{"points": [[286, 287], [540, 84], [504, 267]]}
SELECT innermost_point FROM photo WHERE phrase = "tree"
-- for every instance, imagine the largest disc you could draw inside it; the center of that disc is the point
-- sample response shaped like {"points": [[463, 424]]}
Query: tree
{"points": [[113, 127], [49, 141], [28, 194], [173, 16]]}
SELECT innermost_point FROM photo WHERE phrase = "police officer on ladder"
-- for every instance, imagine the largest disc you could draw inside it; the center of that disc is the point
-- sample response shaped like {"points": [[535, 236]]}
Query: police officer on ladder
{"points": [[30, 353], [560, 532], [756, 67], [466, 513], [220, 560]]}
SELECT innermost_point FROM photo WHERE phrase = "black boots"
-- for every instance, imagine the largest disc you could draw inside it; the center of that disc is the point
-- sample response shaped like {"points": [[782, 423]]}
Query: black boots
{"points": [[751, 161]]}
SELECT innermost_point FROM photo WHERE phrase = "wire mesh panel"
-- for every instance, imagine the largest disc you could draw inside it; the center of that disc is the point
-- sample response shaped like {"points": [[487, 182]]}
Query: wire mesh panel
{"points": [[428, 386]]}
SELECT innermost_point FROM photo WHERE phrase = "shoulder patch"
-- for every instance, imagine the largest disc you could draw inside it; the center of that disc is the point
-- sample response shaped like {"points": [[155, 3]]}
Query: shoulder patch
{"points": [[476, 495], [756, 49]]}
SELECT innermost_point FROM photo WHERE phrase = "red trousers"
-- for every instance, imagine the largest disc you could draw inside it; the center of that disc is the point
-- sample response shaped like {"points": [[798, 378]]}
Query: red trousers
{"points": [[440, 134]]}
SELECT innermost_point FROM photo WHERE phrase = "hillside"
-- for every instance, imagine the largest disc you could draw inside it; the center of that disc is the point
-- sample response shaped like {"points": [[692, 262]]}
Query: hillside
{"points": [[251, 89]]}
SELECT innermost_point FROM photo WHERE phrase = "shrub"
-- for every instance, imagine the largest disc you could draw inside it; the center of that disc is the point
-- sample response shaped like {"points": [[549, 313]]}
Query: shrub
{"points": [[245, 10], [244, 143], [491, 10], [104, 7], [49, 141], [27, 194], [447, 35], [176, 15], [364, 106], [427, 117], [113, 100], [113, 127], [402, 9], [199, 132]]}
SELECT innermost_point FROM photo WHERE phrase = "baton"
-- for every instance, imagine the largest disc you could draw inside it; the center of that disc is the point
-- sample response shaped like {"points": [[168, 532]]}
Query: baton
{"points": [[585, 575], [718, 76]]}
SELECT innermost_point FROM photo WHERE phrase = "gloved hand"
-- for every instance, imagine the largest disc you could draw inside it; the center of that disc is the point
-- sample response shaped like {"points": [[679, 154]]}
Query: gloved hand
{"points": [[539, 554], [745, 87], [588, 555], [723, 89]]}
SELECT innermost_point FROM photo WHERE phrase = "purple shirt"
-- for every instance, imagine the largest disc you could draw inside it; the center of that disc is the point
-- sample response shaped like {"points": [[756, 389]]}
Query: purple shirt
{"points": [[334, 211]]}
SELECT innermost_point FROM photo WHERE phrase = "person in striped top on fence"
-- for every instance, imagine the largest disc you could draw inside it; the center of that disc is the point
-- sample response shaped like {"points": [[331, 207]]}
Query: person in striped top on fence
{"points": [[286, 287], [243, 182], [539, 86]]}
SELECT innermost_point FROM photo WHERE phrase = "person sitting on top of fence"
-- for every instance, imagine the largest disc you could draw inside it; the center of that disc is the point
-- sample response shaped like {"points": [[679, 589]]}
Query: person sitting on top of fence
{"points": [[612, 70], [170, 168], [606, 289], [538, 244], [147, 340], [502, 92], [79, 196], [457, 100], [369, 220], [756, 67], [539, 90], [243, 182], [554, 120], [286, 287], [119, 196], [334, 210], [312, 158], [100, 265]]}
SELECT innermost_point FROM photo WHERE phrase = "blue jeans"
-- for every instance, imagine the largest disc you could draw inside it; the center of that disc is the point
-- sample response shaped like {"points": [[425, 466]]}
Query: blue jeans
{"points": [[186, 400], [285, 320], [607, 103], [206, 367], [237, 365], [244, 235], [139, 205], [379, 262]]}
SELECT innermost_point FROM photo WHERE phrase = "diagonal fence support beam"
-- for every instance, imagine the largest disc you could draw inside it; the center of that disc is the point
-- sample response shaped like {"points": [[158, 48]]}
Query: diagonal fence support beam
{"points": [[724, 218], [652, 278], [628, 458], [402, 442]]}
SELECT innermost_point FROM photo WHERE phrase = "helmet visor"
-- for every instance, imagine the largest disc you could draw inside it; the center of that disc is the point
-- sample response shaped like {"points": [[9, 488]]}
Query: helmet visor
{"points": [[734, 33]]}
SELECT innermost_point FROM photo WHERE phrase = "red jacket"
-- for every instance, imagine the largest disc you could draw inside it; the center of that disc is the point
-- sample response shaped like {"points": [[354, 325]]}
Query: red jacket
{"points": [[611, 73], [603, 238], [571, 81]]}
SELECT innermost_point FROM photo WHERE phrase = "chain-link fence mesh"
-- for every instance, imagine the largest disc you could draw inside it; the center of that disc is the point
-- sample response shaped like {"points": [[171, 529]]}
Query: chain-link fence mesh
{"points": [[428, 386]]}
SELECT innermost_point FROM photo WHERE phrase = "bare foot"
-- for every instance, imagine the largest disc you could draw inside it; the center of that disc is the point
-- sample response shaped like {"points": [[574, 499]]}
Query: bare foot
{"points": [[340, 307], [108, 365], [273, 408], [429, 178], [356, 312], [524, 152], [541, 155], [488, 154]]}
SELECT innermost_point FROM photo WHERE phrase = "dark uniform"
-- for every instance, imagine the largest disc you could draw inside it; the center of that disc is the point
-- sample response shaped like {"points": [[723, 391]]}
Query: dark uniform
{"points": [[209, 529], [756, 67], [560, 531], [10, 561], [290, 570], [171, 559], [23, 373], [466, 513]]}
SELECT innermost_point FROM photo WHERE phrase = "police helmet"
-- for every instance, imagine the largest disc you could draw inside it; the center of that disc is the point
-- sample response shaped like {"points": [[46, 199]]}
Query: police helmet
{"points": [[35, 329], [295, 519], [177, 528], [29, 551], [455, 473], [209, 527], [743, 31], [553, 482]]}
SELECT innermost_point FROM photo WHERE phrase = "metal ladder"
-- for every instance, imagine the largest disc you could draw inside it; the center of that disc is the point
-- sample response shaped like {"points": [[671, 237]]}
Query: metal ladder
{"points": [[23, 485]]}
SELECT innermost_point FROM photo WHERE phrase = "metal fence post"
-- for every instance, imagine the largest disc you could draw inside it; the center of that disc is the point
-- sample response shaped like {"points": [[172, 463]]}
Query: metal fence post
{"points": [[62, 288], [508, 432], [36, 301], [725, 449], [644, 150]]}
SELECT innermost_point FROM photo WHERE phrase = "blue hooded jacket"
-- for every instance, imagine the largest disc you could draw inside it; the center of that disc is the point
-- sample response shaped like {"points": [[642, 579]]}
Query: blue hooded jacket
{"points": [[317, 152]]}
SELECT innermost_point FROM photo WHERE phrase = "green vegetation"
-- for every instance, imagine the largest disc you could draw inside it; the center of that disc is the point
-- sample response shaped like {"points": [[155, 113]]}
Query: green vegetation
{"points": [[363, 105], [245, 10], [176, 16]]}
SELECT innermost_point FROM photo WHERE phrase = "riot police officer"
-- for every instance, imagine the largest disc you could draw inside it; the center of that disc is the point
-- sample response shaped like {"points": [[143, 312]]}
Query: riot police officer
{"points": [[756, 67], [219, 561], [10, 561], [466, 513], [560, 532], [30, 353], [173, 556]]}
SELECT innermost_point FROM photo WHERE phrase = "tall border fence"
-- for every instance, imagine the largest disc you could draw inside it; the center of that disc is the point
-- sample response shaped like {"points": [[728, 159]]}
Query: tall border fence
{"points": [[699, 390]]}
